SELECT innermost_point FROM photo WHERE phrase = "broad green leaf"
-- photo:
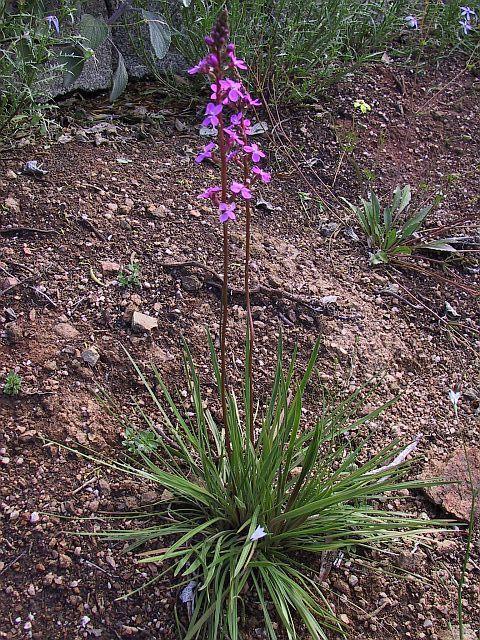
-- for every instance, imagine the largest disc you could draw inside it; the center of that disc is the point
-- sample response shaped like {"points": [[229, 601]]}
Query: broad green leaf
{"points": [[73, 59], [379, 258], [160, 34], [94, 31], [403, 249], [390, 239], [375, 208], [414, 223], [120, 79], [405, 197], [438, 245]]}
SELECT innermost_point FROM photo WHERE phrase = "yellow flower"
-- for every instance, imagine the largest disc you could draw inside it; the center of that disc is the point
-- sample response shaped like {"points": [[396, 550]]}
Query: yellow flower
{"points": [[362, 106]]}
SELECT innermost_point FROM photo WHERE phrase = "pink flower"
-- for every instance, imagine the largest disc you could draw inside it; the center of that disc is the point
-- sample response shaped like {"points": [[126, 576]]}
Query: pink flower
{"points": [[234, 90], [243, 190], [234, 61], [264, 175], [206, 153], [256, 153], [250, 101], [227, 211], [201, 67], [236, 119], [233, 136], [212, 112], [210, 193]]}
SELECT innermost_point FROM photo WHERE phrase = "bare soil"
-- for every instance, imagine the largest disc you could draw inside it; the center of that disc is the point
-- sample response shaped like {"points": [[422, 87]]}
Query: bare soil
{"points": [[121, 186]]}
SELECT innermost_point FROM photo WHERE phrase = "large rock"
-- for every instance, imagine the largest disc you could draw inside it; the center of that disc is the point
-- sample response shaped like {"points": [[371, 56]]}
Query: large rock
{"points": [[456, 498], [97, 72], [134, 44], [132, 41]]}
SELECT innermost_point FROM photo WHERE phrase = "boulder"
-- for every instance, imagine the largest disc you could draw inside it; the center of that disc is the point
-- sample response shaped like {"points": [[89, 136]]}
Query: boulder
{"points": [[135, 46], [132, 41], [97, 73], [456, 498]]}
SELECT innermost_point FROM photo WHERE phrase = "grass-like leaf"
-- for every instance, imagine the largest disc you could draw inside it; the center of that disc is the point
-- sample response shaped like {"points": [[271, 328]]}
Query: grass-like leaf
{"points": [[305, 486]]}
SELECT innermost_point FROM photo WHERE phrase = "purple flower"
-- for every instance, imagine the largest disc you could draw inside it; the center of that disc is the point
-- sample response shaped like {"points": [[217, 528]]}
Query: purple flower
{"points": [[250, 101], [412, 22], [209, 194], [201, 67], [206, 153], [468, 13], [233, 90], [204, 65], [212, 112], [264, 175], [227, 211], [233, 136], [236, 119], [234, 61], [466, 26], [212, 60], [242, 189], [256, 153], [232, 154], [53, 22]]}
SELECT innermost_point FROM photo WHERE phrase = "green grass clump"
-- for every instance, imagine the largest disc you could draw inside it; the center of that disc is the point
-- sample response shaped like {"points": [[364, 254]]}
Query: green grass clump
{"points": [[252, 521], [13, 384]]}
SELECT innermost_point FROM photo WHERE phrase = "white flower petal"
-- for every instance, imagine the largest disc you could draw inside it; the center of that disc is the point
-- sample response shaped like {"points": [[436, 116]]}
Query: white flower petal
{"points": [[258, 534]]}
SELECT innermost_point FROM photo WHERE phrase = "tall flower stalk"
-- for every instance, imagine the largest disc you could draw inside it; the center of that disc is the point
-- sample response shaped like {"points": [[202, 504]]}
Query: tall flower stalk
{"points": [[226, 113]]}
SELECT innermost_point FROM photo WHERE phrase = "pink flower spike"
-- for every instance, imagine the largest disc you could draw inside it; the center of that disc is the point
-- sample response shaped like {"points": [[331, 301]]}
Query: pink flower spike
{"points": [[264, 175], [209, 193], [256, 153], [243, 190], [227, 211]]}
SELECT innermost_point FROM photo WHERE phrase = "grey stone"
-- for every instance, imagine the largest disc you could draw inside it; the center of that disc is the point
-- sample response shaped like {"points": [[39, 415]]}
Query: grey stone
{"points": [[191, 283], [91, 356], [133, 43]]}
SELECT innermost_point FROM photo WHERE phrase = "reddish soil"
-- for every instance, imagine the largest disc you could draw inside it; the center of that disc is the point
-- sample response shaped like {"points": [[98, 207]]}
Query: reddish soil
{"points": [[420, 331]]}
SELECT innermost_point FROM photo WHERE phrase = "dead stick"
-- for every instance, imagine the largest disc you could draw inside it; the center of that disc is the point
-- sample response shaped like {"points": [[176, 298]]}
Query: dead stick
{"points": [[5, 231]]}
